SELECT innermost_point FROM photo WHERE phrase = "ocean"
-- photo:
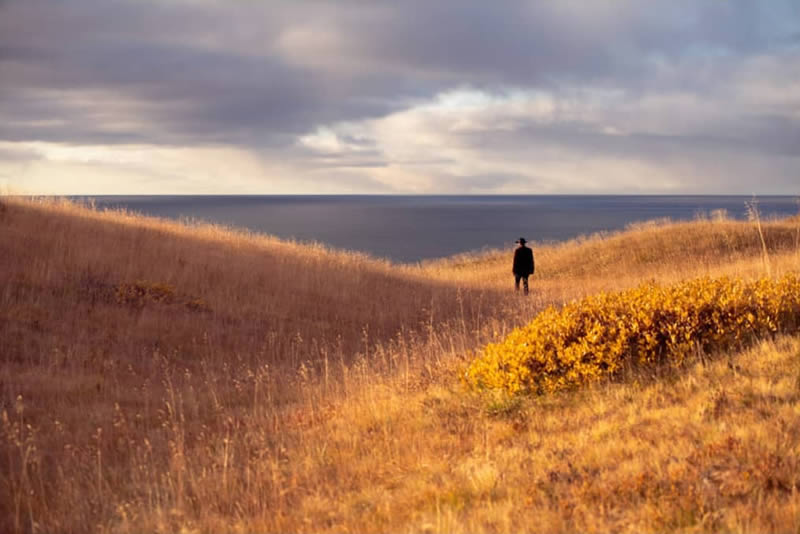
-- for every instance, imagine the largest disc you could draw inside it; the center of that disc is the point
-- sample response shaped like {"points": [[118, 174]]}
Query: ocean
{"points": [[414, 228]]}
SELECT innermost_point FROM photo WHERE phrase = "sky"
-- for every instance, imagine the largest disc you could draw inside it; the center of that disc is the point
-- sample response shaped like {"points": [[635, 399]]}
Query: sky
{"points": [[400, 97]]}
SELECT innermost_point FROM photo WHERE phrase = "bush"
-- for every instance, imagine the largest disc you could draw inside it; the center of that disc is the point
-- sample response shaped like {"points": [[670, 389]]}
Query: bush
{"points": [[601, 335], [141, 292]]}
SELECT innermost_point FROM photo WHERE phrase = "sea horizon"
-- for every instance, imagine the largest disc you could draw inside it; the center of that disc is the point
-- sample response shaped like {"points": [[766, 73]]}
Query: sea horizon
{"points": [[410, 228]]}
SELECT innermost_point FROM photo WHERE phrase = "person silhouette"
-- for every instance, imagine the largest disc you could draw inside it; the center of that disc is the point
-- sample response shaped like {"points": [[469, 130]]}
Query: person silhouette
{"points": [[523, 265]]}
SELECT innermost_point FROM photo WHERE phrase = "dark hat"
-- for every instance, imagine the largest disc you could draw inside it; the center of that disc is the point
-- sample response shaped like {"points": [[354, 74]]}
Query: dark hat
{"points": [[521, 241]]}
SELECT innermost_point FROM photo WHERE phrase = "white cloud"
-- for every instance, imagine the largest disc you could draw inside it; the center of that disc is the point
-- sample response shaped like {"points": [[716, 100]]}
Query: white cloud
{"points": [[591, 141], [54, 168]]}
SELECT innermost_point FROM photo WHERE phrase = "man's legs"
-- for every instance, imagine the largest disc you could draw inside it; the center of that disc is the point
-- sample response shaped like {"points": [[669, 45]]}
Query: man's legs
{"points": [[524, 283]]}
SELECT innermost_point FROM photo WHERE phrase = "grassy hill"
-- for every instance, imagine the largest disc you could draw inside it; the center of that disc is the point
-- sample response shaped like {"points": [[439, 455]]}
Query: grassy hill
{"points": [[157, 376]]}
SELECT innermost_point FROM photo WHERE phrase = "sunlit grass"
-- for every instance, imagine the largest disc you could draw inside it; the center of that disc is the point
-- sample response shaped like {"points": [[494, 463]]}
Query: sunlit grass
{"points": [[162, 377]]}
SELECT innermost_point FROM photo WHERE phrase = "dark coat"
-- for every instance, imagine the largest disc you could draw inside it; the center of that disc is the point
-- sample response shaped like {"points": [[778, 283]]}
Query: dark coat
{"points": [[523, 261]]}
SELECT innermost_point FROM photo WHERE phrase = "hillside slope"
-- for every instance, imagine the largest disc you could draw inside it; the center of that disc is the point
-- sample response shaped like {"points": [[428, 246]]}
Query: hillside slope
{"points": [[161, 377], [662, 250], [121, 284]]}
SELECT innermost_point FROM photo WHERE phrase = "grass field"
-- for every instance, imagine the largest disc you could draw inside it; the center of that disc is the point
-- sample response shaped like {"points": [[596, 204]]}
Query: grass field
{"points": [[166, 377]]}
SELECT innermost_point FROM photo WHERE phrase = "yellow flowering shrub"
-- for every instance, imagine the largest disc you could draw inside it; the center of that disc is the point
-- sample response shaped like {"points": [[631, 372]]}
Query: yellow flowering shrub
{"points": [[603, 334]]}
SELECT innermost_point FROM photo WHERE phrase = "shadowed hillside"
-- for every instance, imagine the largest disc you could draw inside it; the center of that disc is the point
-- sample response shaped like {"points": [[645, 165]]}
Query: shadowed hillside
{"points": [[122, 285]]}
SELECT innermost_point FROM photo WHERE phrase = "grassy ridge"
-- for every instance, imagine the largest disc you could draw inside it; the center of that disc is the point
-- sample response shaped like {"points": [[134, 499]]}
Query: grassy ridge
{"points": [[66, 265], [665, 250], [159, 377]]}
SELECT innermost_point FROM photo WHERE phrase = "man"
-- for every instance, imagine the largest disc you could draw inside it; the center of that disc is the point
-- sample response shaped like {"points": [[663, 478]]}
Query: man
{"points": [[523, 265]]}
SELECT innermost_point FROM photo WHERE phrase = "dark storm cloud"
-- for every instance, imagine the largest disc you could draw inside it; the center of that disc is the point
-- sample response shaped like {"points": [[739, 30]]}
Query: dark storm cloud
{"points": [[206, 83], [543, 42], [153, 63], [259, 75]]}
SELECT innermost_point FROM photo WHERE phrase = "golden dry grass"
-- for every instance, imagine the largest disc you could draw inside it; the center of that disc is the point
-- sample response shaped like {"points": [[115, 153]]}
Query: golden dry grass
{"points": [[163, 377], [662, 250]]}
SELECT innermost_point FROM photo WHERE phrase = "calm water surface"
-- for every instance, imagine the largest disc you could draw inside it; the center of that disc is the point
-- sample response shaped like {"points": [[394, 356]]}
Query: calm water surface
{"points": [[413, 228]]}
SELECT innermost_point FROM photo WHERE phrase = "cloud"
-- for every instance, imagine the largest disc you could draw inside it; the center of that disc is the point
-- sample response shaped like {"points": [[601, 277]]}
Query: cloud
{"points": [[537, 143], [414, 96]]}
